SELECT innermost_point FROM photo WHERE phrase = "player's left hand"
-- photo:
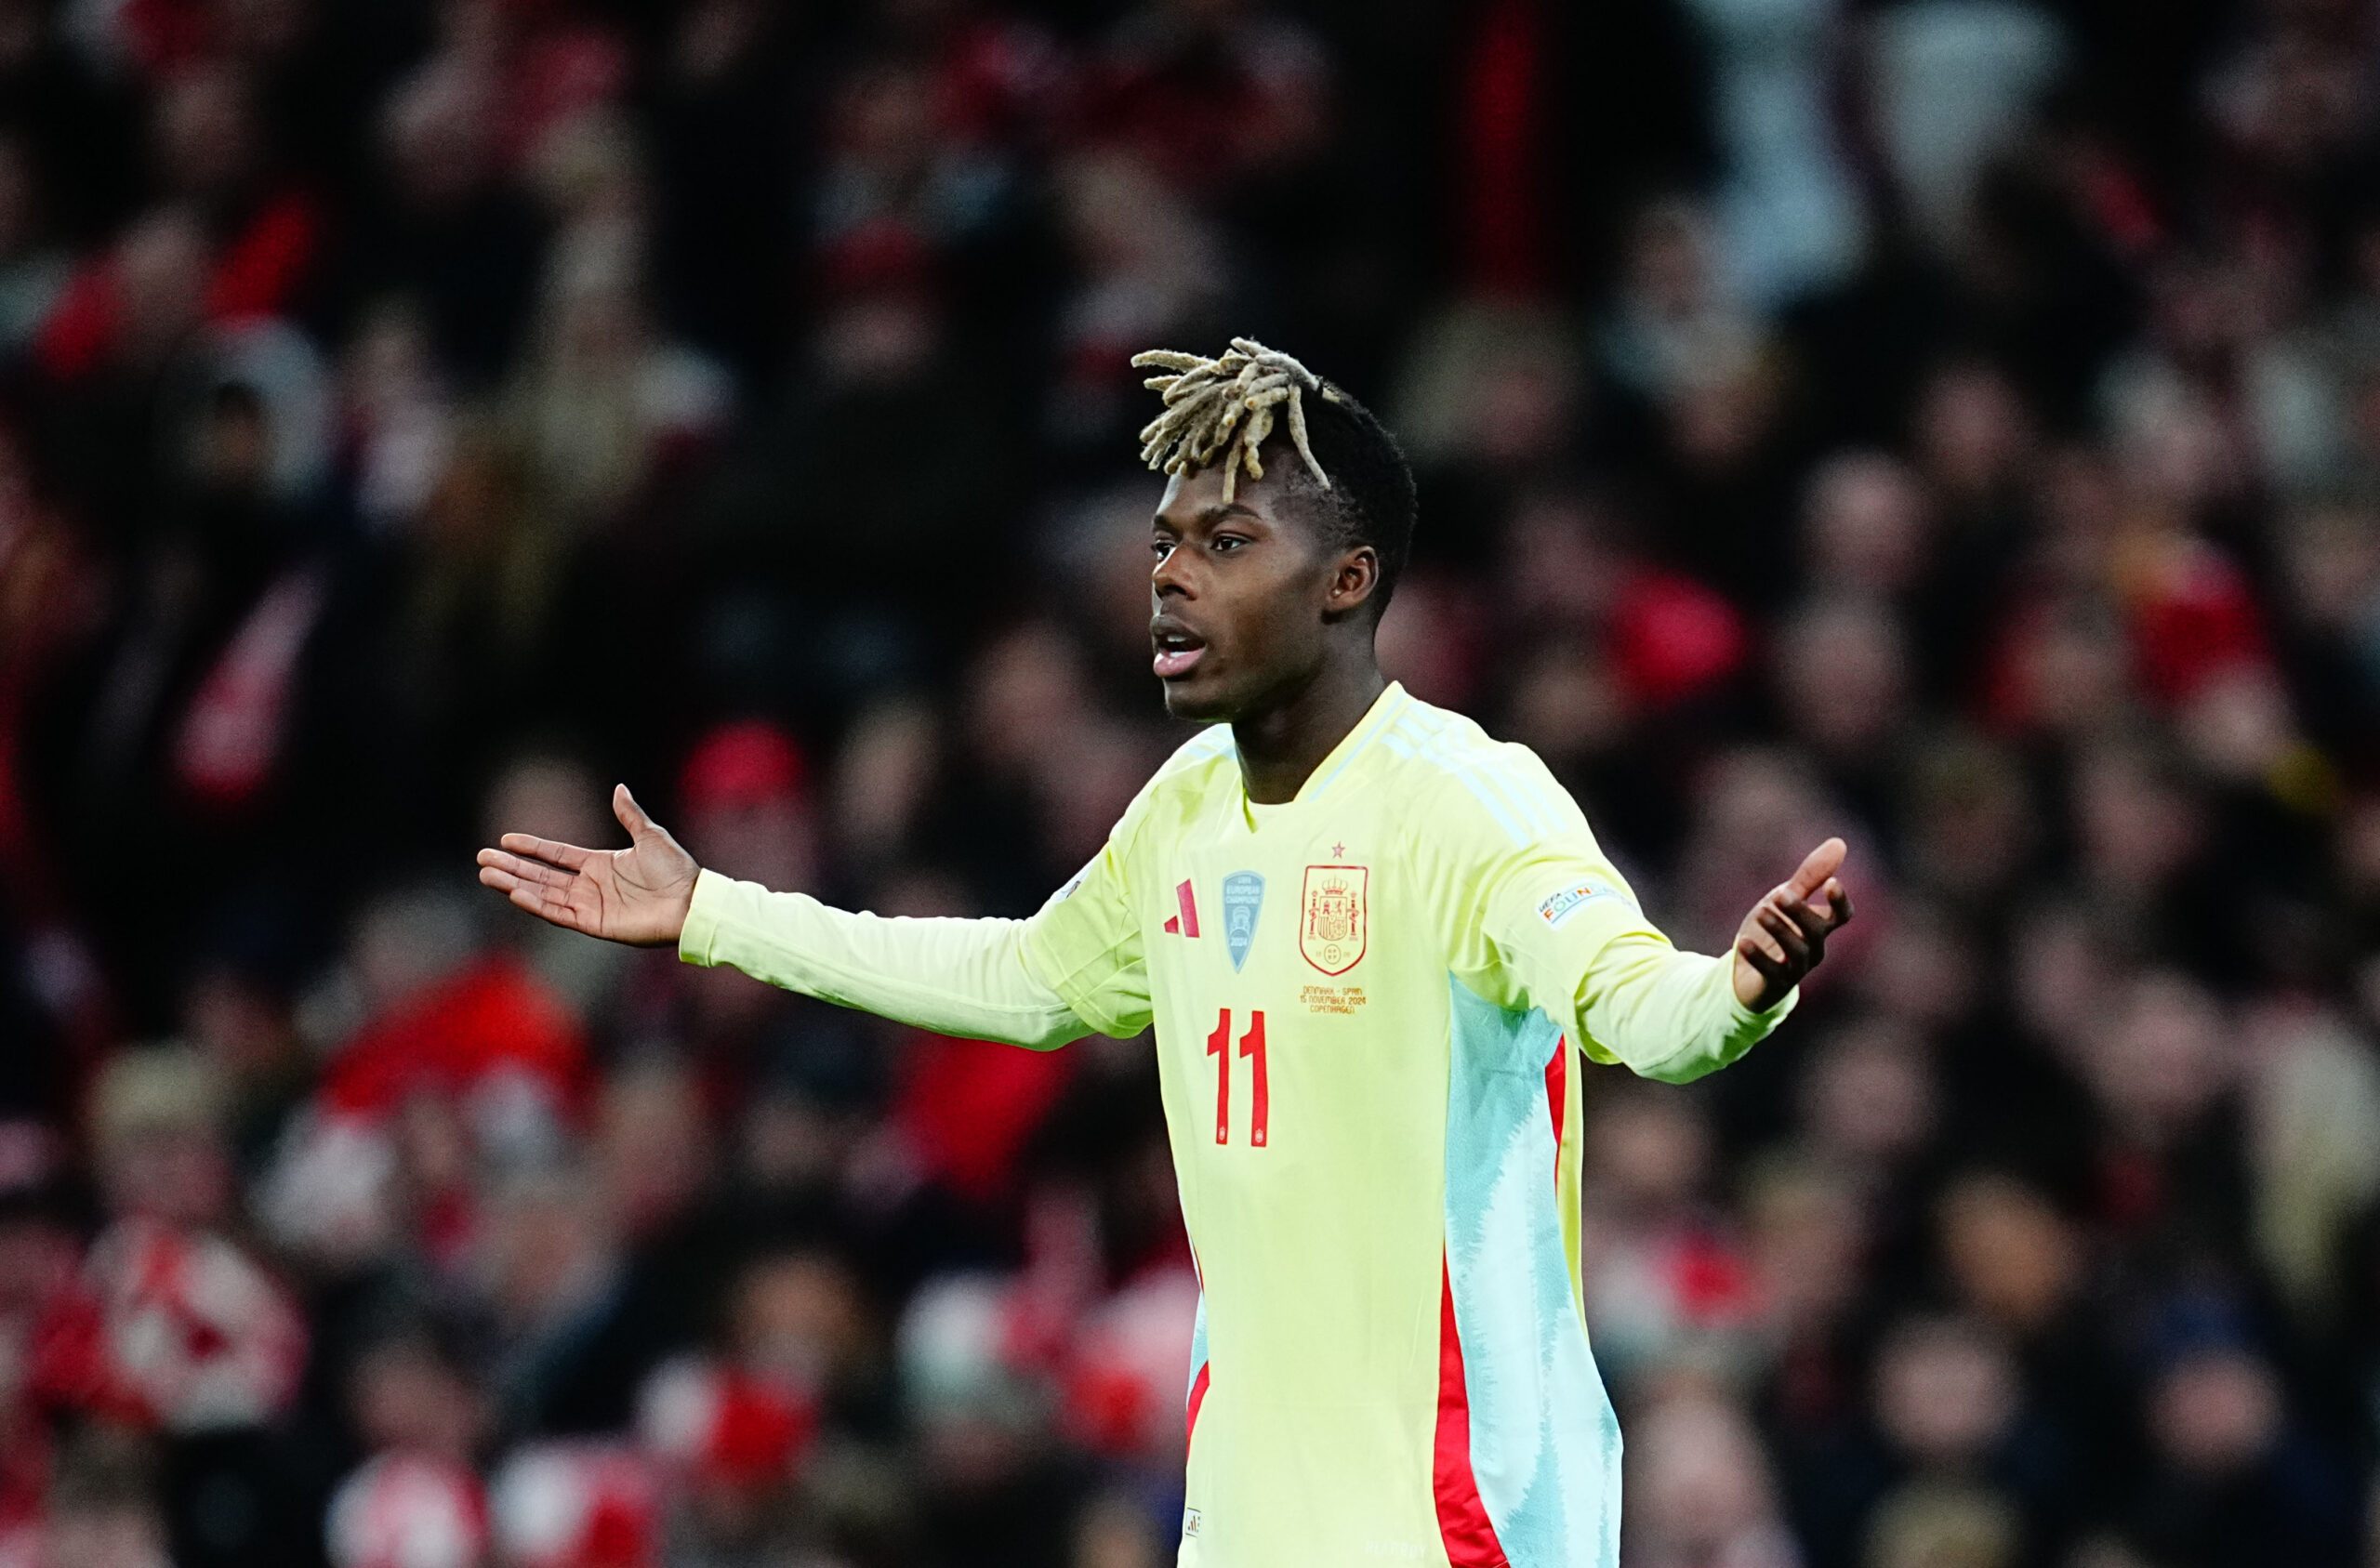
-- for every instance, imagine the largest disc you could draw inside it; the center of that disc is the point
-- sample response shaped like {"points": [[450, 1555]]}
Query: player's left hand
{"points": [[1784, 937]]}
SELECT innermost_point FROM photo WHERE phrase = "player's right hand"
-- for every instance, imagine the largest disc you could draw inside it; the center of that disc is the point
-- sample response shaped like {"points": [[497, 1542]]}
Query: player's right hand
{"points": [[638, 895]]}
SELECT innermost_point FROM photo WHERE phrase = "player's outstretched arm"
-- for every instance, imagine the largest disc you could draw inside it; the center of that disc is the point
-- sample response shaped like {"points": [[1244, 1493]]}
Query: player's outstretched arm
{"points": [[639, 895], [1784, 937], [1676, 1016], [969, 978]]}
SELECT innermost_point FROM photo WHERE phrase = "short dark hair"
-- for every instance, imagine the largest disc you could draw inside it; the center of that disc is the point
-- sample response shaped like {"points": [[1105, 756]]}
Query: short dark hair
{"points": [[1371, 500]]}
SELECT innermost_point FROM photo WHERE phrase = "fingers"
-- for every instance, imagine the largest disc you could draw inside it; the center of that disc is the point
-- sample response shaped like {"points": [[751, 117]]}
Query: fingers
{"points": [[631, 815], [1838, 903], [1771, 968], [1812, 926], [1789, 940], [1815, 867], [570, 857], [1760, 934], [530, 896], [516, 870], [507, 880]]}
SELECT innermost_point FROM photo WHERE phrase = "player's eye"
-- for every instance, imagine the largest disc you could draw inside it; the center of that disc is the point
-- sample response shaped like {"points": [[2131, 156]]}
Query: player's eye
{"points": [[1160, 548], [1228, 542]]}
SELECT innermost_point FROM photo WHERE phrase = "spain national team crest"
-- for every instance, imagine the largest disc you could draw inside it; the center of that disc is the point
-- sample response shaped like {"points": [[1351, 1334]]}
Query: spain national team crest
{"points": [[1334, 923]]}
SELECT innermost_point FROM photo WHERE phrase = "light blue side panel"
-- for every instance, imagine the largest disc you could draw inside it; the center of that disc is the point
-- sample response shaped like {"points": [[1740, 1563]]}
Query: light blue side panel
{"points": [[1197, 1349], [1544, 1441]]}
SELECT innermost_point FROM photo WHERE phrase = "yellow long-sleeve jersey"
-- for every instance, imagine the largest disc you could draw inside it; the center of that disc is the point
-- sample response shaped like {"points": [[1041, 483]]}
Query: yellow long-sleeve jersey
{"points": [[1369, 1005]]}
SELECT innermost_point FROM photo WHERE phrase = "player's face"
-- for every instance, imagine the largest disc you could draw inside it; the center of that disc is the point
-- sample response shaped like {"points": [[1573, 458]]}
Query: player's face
{"points": [[1242, 594]]}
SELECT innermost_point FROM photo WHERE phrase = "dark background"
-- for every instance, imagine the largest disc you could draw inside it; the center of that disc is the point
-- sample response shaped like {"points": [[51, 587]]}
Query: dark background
{"points": [[1953, 423]]}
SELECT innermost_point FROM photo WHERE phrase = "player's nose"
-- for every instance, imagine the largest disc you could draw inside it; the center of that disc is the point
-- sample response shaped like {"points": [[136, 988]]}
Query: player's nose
{"points": [[1168, 576]]}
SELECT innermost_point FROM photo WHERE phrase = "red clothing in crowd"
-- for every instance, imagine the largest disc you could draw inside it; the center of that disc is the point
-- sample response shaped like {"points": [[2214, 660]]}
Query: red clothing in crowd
{"points": [[495, 1019], [257, 271]]}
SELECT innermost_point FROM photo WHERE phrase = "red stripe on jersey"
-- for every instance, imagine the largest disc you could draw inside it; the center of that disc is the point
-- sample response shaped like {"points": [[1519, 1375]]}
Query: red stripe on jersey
{"points": [[1462, 1518], [1198, 1395], [1189, 916], [1556, 1075]]}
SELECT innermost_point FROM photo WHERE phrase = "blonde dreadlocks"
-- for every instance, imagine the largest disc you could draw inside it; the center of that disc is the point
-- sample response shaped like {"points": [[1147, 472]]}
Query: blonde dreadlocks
{"points": [[1206, 401]]}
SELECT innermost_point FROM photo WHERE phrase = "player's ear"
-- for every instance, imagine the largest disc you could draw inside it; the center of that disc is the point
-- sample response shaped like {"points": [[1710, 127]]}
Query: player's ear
{"points": [[1355, 580]]}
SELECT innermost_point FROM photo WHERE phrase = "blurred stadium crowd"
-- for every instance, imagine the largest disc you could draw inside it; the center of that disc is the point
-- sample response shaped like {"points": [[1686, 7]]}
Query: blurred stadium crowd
{"points": [[1953, 423]]}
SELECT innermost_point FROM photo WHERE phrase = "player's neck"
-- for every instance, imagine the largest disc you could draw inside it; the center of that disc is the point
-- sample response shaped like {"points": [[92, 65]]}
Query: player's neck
{"points": [[1281, 745]]}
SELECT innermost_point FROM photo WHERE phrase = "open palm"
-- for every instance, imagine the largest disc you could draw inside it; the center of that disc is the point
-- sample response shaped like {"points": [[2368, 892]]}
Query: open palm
{"points": [[638, 895]]}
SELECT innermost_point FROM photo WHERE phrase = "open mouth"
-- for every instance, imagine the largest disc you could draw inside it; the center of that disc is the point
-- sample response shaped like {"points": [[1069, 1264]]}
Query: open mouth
{"points": [[1178, 651]]}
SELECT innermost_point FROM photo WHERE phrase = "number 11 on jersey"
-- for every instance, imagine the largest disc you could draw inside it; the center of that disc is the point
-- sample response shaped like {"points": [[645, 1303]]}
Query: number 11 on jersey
{"points": [[1260, 1098]]}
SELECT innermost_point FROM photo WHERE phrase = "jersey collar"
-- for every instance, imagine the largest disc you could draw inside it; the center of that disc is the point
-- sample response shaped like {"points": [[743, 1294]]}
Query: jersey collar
{"points": [[1386, 707]]}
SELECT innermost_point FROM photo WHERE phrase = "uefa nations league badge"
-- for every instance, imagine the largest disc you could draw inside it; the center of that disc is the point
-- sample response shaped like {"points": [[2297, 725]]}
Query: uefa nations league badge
{"points": [[1243, 896]]}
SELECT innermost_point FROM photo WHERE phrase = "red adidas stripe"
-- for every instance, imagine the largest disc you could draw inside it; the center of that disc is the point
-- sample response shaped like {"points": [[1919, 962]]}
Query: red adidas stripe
{"points": [[1198, 1396], [1556, 1074], [1462, 1518]]}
